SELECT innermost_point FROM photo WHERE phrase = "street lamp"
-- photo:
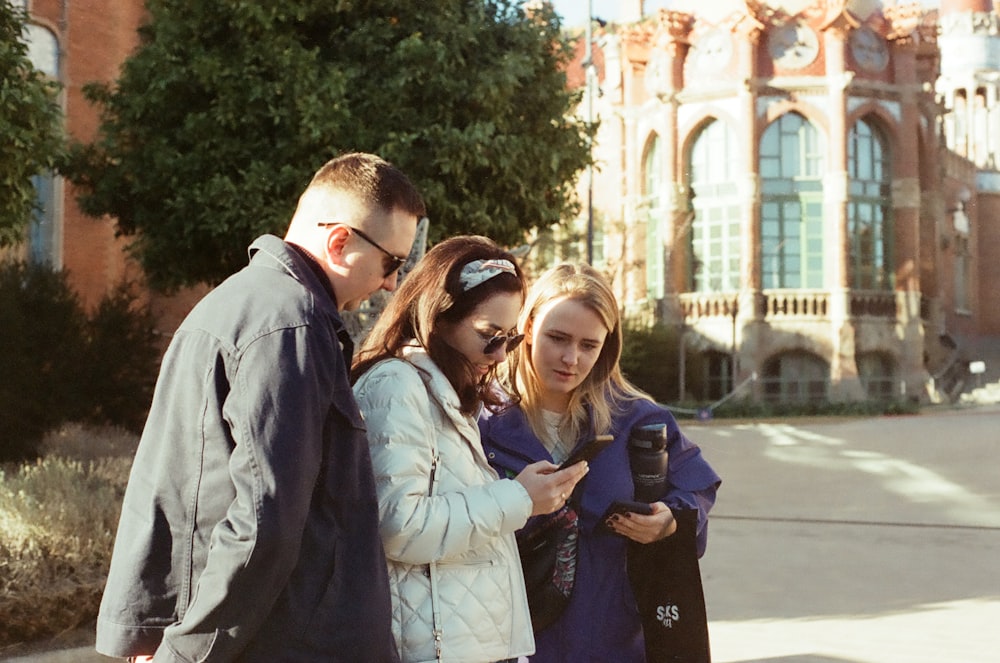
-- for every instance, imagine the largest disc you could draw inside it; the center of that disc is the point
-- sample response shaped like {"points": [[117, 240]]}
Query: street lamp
{"points": [[735, 367], [590, 80]]}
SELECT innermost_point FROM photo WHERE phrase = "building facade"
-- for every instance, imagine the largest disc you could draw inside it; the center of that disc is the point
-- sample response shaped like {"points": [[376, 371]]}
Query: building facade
{"points": [[77, 42], [808, 189]]}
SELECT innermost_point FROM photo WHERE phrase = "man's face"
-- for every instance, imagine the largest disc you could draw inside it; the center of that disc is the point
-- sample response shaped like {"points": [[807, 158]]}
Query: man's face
{"points": [[369, 256]]}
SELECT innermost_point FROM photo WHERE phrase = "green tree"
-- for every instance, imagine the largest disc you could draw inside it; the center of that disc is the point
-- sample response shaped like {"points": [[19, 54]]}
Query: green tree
{"points": [[43, 325], [220, 117], [61, 364], [651, 360], [31, 137]]}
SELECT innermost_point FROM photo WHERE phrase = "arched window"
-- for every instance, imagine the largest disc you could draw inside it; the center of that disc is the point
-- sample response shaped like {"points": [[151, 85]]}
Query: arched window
{"points": [[718, 374], [877, 373], [963, 272], [43, 236], [43, 49], [654, 201], [791, 233], [869, 208], [714, 264], [796, 377]]}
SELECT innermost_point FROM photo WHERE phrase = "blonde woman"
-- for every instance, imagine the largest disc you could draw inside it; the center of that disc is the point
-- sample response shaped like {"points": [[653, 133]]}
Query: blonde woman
{"points": [[571, 388]]}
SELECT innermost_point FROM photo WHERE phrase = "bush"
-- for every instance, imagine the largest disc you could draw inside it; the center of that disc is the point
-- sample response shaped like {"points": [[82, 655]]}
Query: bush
{"points": [[650, 361], [60, 365], [747, 409], [119, 364], [58, 517], [43, 326]]}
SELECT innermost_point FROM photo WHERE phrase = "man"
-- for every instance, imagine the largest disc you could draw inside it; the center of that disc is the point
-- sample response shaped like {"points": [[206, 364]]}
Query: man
{"points": [[249, 529]]}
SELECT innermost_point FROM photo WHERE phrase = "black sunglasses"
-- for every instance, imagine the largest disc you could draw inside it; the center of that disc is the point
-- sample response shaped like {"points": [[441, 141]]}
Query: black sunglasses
{"points": [[391, 262], [511, 340]]}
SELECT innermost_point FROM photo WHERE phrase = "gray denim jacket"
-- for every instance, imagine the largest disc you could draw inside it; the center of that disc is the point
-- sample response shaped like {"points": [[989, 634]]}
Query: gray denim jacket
{"points": [[249, 529]]}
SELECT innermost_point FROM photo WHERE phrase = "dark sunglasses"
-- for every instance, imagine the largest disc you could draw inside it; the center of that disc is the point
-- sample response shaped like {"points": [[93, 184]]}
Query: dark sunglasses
{"points": [[391, 263], [511, 340]]}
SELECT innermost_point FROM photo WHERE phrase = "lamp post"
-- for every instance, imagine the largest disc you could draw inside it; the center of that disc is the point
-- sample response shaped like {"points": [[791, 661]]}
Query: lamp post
{"points": [[681, 358], [735, 367], [589, 69]]}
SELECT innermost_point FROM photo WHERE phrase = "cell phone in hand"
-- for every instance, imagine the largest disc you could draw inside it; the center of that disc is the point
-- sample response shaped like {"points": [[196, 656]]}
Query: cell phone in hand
{"points": [[588, 451], [622, 507], [628, 507]]}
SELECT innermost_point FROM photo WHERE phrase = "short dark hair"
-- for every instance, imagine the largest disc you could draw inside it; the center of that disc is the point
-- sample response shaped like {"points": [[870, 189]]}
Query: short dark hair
{"points": [[373, 179], [432, 295]]}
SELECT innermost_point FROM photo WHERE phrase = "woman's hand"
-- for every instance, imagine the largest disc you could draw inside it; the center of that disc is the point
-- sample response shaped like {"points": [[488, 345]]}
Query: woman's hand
{"points": [[548, 486], [645, 529]]}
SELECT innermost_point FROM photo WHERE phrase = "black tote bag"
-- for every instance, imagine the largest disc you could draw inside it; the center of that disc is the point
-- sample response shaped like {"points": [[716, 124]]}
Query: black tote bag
{"points": [[666, 581]]}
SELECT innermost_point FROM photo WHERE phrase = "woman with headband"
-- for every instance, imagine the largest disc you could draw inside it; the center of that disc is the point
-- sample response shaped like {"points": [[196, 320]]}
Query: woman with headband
{"points": [[421, 378]]}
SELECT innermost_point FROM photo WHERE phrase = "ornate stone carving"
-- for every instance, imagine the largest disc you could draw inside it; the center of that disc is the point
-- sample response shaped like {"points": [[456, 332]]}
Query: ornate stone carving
{"points": [[904, 22], [792, 45], [711, 52], [868, 49], [971, 23]]}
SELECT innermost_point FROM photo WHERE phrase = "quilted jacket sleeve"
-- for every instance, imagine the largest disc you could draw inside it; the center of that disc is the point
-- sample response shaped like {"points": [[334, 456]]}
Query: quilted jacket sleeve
{"points": [[410, 439]]}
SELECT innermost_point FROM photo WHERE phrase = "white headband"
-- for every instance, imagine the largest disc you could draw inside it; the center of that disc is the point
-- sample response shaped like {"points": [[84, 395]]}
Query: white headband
{"points": [[480, 271]]}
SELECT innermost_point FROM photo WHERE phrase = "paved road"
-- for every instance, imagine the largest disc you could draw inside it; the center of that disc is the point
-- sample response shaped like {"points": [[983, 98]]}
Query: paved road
{"points": [[852, 541], [861, 541]]}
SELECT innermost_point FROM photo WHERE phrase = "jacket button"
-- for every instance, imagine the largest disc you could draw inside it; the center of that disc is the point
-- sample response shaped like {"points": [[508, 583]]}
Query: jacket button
{"points": [[491, 455]]}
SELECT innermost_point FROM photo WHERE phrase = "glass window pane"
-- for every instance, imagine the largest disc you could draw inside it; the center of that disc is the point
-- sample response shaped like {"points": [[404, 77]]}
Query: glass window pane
{"points": [[717, 218], [869, 211], [43, 49]]}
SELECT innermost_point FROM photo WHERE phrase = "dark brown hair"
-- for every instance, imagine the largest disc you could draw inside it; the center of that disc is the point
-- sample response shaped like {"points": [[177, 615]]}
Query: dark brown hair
{"points": [[430, 299]]}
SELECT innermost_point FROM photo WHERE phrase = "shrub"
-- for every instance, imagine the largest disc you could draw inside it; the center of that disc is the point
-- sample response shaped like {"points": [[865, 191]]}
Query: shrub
{"points": [[43, 324], [60, 365], [119, 364], [741, 408], [58, 517], [650, 360]]}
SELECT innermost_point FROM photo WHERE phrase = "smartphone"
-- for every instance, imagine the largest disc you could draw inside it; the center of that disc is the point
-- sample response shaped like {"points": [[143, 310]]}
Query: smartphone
{"points": [[628, 507], [621, 507], [589, 450]]}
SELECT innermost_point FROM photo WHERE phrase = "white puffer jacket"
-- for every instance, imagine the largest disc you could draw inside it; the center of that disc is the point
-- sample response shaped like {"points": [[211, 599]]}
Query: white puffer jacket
{"points": [[447, 522]]}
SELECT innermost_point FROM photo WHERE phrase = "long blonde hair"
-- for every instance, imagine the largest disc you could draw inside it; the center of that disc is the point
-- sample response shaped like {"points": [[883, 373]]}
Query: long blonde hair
{"points": [[604, 390]]}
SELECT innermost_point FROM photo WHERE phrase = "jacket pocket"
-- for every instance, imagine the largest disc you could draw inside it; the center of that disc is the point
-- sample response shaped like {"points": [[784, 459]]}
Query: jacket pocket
{"points": [[192, 647], [476, 604], [413, 621]]}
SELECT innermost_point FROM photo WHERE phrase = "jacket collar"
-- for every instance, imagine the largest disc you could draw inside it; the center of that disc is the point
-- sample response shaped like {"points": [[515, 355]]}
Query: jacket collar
{"points": [[441, 392], [296, 261], [510, 430], [303, 268], [316, 269]]}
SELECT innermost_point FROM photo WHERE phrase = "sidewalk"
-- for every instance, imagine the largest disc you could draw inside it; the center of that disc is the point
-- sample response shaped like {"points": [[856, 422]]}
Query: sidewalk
{"points": [[849, 541], [861, 541]]}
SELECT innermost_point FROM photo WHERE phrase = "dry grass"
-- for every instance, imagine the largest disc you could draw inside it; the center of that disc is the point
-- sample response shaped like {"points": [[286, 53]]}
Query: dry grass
{"points": [[58, 518]]}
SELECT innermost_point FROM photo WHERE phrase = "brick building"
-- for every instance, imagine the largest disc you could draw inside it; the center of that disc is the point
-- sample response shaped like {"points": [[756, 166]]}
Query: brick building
{"points": [[808, 189], [77, 42]]}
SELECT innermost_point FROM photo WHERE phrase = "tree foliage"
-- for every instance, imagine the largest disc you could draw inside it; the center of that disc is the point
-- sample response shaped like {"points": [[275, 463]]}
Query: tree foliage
{"points": [[220, 117], [31, 137], [60, 363], [43, 326], [651, 360]]}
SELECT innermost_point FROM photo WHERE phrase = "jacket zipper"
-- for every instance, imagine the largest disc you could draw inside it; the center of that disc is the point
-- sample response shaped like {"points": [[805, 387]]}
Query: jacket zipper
{"points": [[433, 580]]}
